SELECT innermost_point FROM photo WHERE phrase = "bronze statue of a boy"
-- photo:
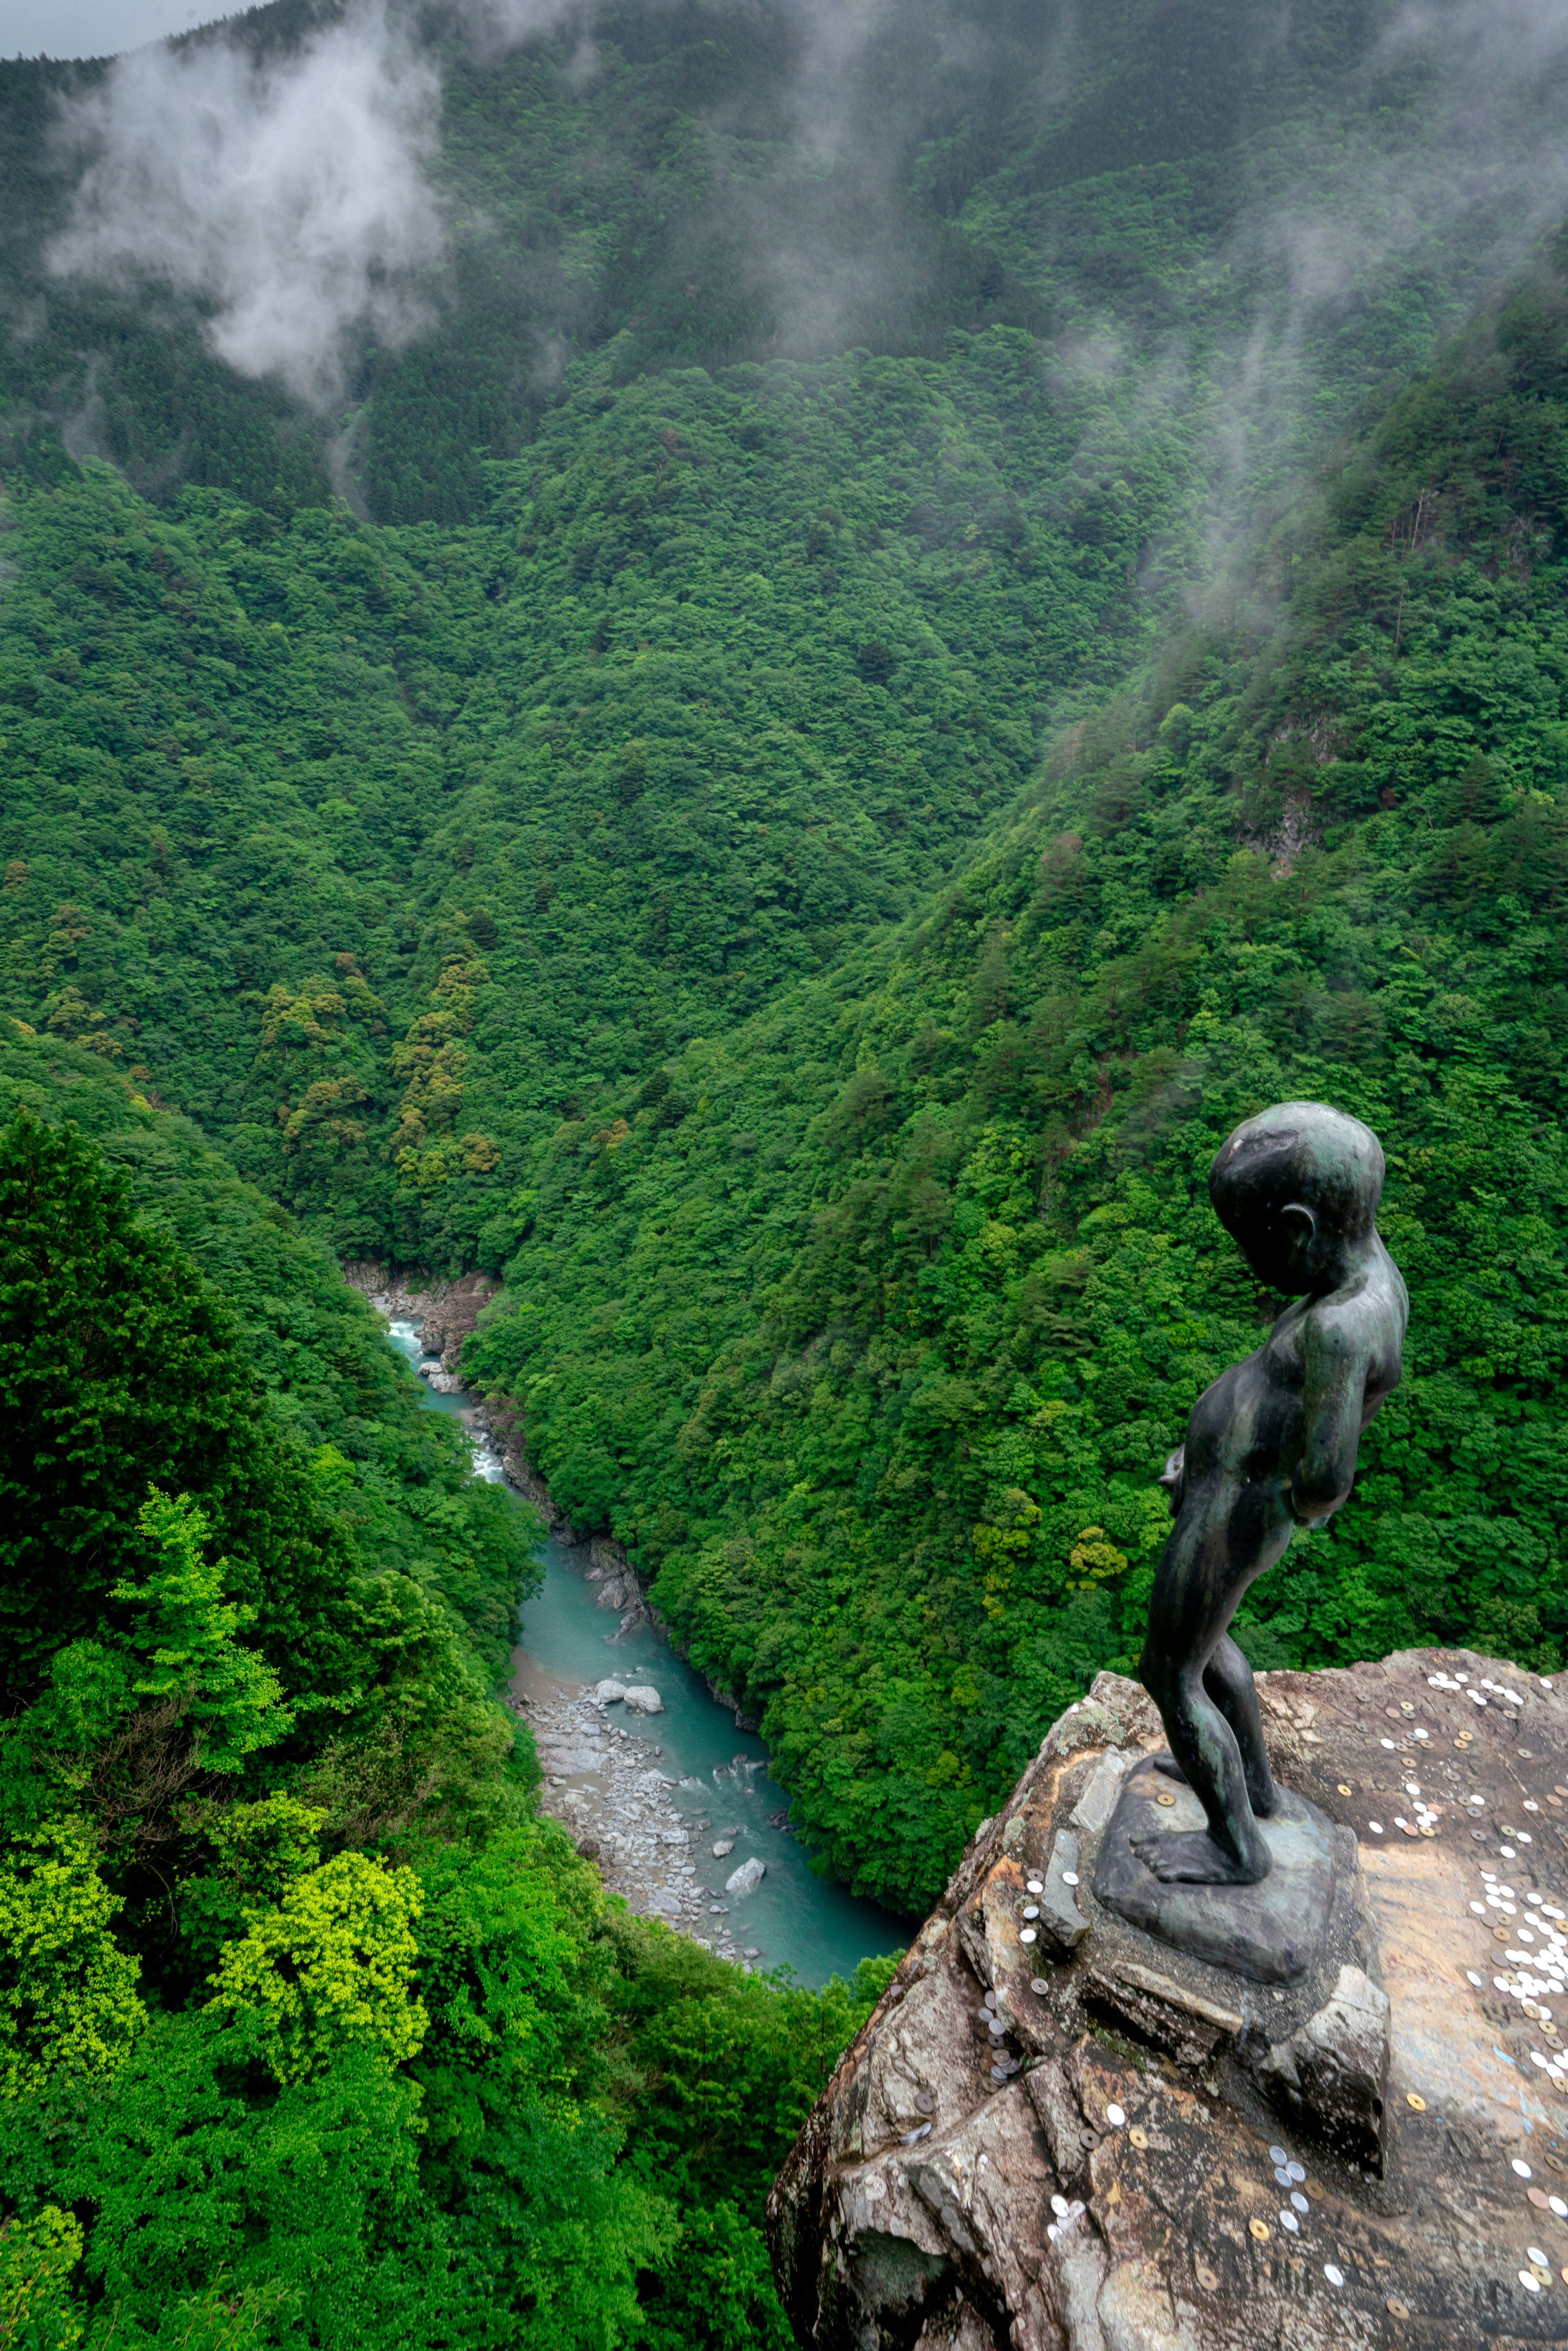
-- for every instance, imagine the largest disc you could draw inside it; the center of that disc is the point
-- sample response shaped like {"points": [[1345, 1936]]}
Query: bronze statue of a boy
{"points": [[1271, 1447]]}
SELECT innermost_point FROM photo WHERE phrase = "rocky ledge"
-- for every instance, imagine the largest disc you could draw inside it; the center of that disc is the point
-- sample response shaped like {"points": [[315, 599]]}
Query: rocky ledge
{"points": [[1058, 2133]]}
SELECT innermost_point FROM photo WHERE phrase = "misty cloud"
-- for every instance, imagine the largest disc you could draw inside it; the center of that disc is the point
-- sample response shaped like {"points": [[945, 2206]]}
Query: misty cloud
{"points": [[293, 197]]}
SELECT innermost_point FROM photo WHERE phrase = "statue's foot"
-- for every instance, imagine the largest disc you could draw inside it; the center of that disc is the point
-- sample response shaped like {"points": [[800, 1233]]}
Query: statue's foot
{"points": [[1193, 1858], [1263, 1797]]}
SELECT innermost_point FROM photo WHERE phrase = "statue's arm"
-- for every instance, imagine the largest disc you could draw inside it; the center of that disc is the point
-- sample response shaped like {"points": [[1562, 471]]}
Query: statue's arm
{"points": [[1334, 1365]]}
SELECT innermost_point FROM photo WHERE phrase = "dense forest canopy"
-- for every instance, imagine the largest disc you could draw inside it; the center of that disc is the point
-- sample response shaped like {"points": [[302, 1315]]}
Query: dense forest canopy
{"points": [[832, 648]]}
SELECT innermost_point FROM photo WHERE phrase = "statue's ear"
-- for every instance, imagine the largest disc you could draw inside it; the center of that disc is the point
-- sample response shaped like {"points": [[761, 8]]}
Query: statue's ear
{"points": [[1297, 1224]]}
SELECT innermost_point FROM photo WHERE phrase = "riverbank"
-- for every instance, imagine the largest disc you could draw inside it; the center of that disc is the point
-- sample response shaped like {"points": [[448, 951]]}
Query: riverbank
{"points": [[610, 1788]]}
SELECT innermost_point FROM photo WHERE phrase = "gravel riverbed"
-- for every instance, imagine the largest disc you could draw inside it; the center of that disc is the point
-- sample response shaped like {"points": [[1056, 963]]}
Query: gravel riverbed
{"points": [[609, 1787]]}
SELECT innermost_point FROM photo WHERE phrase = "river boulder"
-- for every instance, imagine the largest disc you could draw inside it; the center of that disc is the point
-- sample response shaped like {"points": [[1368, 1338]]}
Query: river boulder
{"points": [[725, 1845], [750, 1874], [643, 1698], [607, 1692]]}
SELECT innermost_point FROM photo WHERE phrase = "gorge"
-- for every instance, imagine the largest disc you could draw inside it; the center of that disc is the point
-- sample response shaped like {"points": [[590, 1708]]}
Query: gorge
{"points": [[721, 680]]}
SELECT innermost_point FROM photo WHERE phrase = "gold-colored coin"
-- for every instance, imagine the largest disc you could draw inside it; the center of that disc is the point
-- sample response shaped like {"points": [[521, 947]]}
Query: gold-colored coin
{"points": [[1412, 2100], [1138, 2137], [1499, 1934], [1344, 1789], [1395, 2307], [1164, 1799], [1425, 1832], [1260, 2229]]}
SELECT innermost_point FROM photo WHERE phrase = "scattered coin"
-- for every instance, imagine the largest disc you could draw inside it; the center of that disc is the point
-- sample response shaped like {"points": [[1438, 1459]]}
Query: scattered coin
{"points": [[1523, 2167], [1392, 1712], [1412, 2100], [1333, 2273], [1058, 2205], [1069, 1877], [1395, 2307], [1117, 2116], [1034, 1886], [1295, 2170], [1164, 1799], [1138, 2137], [1040, 1983], [1344, 1789], [1406, 1828], [1260, 2229], [1277, 2155], [1026, 1935], [1299, 2201], [1529, 2282], [1205, 2276], [1538, 2197]]}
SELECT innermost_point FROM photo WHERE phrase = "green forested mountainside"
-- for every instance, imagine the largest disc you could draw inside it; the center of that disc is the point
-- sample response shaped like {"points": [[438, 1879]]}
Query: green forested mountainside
{"points": [[870, 1324], [363, 842], [701, 184], [295, 1427], [429, 958], [314, 2032]]}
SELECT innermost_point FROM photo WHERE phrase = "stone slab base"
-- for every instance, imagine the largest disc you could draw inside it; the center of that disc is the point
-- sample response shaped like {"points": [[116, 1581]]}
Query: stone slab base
{"points": [[1270, 1932]]}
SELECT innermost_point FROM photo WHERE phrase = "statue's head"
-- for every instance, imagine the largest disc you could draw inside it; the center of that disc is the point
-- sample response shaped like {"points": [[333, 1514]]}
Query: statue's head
{"points": [[1298, 1188]]}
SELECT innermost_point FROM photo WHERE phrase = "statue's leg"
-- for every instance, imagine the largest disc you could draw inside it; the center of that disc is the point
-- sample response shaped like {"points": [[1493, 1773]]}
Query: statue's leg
{"points": [[1231, 1850], [1228, 1678], [1212, 1555]]}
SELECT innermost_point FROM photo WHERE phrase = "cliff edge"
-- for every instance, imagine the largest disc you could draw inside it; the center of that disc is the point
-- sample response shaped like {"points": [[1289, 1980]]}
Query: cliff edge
{"points": [[1058, 2133]]}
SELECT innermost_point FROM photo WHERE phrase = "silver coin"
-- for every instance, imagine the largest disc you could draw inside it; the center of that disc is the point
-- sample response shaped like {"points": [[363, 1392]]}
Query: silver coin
{"points": [[1277, 2155], [1059, 2207], [1040, 1983], [990, 2000], [1281, 2175], [1296, 2171], [1333, 2273], [1288, 2221], [1032, 1909]]}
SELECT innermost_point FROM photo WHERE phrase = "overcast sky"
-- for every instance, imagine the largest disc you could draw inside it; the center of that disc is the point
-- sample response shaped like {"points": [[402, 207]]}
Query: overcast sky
{"points": [[97, 28]]}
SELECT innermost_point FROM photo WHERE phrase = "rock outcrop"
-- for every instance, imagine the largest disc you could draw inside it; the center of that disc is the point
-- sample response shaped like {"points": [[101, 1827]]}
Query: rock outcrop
{"points": [[1058, 2133]]}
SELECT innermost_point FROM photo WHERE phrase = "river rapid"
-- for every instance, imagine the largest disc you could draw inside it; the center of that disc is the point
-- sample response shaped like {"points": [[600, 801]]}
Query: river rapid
{"points": [[712, 1780]]}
